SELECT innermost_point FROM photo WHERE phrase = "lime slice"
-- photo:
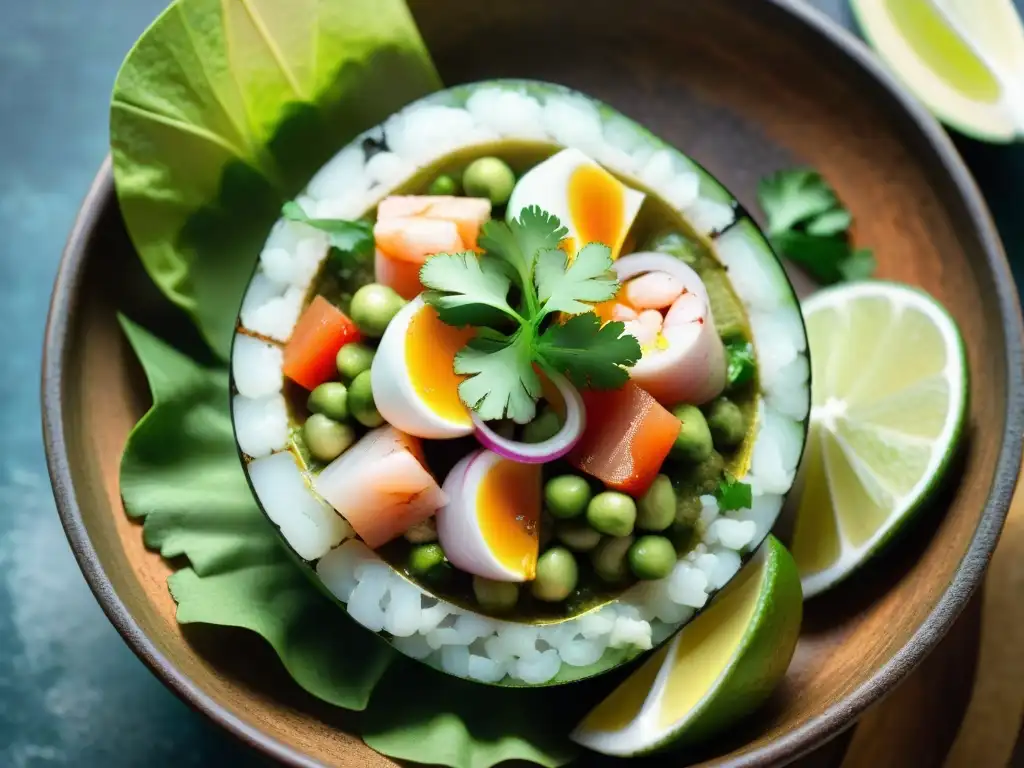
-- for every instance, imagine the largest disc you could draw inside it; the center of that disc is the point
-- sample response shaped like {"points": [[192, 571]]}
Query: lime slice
{"points": [[717, 669], [888, 401], [963, 58]]}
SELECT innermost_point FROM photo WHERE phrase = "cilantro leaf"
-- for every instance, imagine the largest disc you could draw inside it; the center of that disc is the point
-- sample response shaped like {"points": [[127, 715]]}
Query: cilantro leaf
{"points": [[791, 197], [590, 354], [820, 256], [741, 363], [349, 237], [465, 288], [502, 382], [859, 265], [564, 286], [834, 222], [518, 242], [733, 494]]}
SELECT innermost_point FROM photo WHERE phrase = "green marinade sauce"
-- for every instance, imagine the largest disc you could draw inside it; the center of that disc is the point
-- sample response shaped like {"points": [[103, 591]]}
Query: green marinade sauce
{"points": [[339, 279]]}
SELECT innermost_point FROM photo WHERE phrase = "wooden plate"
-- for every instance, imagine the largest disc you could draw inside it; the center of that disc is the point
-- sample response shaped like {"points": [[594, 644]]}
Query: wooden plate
{"points": [[746, 87]]}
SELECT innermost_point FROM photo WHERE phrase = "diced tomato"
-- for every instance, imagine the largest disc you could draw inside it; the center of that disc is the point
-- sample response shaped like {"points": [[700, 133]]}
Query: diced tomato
{"points": [[627, 438], [402, 276], [323, 329], [381, 486]]}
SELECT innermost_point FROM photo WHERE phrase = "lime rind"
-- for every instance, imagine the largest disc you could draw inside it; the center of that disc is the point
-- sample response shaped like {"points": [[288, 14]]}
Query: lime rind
{"points": [[852, 556]]}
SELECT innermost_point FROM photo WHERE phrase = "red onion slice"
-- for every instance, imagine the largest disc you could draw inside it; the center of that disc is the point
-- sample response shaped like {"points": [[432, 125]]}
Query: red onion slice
{"points": [[554, 447], [641, 262]]}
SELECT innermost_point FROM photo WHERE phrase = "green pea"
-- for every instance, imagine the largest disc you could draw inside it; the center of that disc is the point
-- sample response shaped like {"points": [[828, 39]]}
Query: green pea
{"points": [[567, 496], [326, 438], [693, 443], [423, 532], [651, 557], [330, 399], [443, 185], [489, 177], [496, 596], [373, 306], [577, 535], [609, 559], [657, 507], [612, 513], [543, 427], [424, 558], [556, 575], [360, 401], [726, 422], [353, 359]]}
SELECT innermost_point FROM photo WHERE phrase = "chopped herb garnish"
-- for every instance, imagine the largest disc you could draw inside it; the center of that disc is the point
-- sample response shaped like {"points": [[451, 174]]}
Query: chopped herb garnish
{"points": [[473, 289], [741, 363], [733, 494], [808, 224], [352, 239]]}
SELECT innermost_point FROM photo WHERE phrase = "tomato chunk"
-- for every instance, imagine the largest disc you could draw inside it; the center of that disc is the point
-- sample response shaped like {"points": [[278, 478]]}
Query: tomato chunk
{"points": [[627, 438], [323, 329]]}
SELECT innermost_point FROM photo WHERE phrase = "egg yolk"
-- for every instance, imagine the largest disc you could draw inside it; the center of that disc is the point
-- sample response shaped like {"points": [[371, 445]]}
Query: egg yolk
{"points": [[597, 206], [430, 347], [508, 511]]}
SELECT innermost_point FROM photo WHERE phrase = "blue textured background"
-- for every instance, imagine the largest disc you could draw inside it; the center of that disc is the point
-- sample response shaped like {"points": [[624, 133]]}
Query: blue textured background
{"points": [[71, 693]]}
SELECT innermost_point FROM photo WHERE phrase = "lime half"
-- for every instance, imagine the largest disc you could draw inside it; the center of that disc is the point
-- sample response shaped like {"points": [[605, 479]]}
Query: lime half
{"points": [[963, 58], [888, 402], [718, 668]]}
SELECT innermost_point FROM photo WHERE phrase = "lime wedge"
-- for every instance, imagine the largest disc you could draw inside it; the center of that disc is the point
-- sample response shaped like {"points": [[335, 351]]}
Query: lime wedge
{"points": [[717, 669], [888, 400], [963, 58]]}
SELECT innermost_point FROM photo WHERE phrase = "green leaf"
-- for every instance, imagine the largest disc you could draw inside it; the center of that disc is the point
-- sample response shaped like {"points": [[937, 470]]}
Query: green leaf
{"points": [[733, 494], [793, 196], [820, 256], [859, 265], [180, 473], [518, 242], [465, 286], [741, 363], [466, 725], [502, 383], [349, 237], [224, 109], [590, 354], [830, 223], [564, 286]]}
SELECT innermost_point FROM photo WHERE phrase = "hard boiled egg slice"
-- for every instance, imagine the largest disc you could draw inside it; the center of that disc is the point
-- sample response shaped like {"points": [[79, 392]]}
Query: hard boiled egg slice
{"points": [[490, 525], [414, 386], [591, 203]]}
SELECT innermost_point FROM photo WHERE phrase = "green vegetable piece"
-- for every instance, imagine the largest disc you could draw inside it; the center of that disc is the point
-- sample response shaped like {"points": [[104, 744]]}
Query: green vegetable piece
{"points": [[353, 359], [577, 535], [652, 557], [330, 399], [467, 288], [693, 443], [424, 558], [326, 438], [574, 286], [791, 197], [567, 496], [373, 306], [656, 509], [351, 240], [688, 510], [609, 559], [733, 494], [489, 177], [590, 354], [443, 185], [612, 513], [543, 427], [741, 363], [700, 478], [495, 596], [556, 577], [726, 422], [360, 401]]}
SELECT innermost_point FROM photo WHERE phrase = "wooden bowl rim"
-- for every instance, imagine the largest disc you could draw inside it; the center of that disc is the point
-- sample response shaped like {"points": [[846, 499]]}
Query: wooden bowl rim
{"points": [[797, 742]]}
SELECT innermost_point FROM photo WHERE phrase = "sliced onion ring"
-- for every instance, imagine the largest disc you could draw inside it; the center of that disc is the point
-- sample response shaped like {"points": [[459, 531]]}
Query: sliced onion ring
{"points": [[554, 447], [641, 262]]}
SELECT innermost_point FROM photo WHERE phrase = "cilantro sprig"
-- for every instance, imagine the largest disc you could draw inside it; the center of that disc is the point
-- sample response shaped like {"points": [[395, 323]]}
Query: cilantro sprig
{"points": [[733, 494], [351, 241], [513, 341], [808, 224]]}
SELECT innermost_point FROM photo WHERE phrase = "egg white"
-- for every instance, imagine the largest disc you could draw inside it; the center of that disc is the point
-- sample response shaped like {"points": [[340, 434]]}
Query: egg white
{"points": [[458, 526], [547, 185], [393, 392]]}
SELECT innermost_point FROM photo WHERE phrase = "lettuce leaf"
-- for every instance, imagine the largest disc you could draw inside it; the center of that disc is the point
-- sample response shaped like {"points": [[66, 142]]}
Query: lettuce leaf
{"points": [[224, 109]]}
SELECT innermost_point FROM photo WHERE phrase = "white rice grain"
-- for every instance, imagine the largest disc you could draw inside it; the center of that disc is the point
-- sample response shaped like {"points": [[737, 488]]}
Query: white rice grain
{"points": [[276, 317], [709, 216], [342, 174], [733, 534], [485, 670], [402, 617], [337, 569], [414, 646], [688, 585], [507, 113], [455, 660], [261, 424], [538, 667], [256, 367], [573, 121]]}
